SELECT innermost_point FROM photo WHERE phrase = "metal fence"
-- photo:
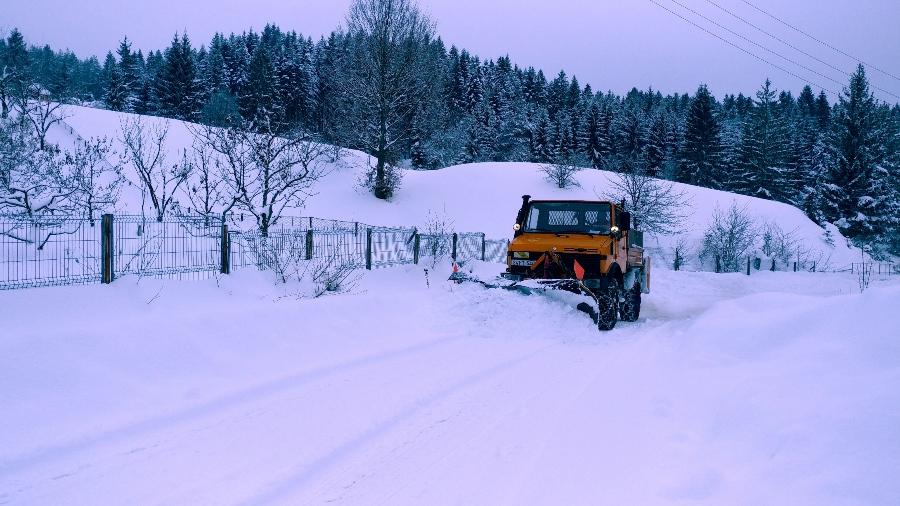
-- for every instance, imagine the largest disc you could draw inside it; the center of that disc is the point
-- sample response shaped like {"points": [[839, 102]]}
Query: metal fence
{"points": [[48, 251], [63, 251]]}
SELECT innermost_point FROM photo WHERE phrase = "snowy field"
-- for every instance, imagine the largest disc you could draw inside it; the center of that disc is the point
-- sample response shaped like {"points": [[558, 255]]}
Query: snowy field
{"points": [[778, 388]]}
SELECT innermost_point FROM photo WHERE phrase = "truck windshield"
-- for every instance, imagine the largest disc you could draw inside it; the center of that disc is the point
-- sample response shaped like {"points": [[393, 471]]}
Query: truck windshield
{"points": [[572, 217]]}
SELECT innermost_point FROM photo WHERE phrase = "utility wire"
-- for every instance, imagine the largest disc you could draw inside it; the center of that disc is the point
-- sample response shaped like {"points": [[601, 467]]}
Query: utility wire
{"points": [[788, 44], [792, 27], [757, 44], [730, 43]]}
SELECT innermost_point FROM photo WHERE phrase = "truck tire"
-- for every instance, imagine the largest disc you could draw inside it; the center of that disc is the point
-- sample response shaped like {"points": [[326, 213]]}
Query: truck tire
{"points": [[608, 301], [631, 308]]}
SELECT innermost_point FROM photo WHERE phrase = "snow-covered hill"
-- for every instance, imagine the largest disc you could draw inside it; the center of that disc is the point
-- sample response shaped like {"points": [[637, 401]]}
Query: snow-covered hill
{"points": [[480, 197]]}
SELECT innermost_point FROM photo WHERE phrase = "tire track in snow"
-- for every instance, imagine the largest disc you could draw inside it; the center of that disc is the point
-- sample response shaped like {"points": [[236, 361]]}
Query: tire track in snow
{"points": [[250, 395]]}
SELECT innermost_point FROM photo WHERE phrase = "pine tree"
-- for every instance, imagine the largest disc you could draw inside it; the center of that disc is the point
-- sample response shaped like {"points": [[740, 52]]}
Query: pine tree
{"points": [[14, 70], [656, 152], [176, 81], [599, 134], [857, 181], [259, 100], [115, 92], [701, 153], [763, 165], [129, 72]]}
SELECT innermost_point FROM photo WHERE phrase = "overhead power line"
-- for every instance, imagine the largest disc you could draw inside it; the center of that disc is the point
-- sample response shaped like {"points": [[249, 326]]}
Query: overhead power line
{"points": [[757, 44], [798, 30], [742, 49], [788, 44]]}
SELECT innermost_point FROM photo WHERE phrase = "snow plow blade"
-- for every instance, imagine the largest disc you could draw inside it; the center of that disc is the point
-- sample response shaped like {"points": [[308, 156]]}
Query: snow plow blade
{"points": [[590, 305]]}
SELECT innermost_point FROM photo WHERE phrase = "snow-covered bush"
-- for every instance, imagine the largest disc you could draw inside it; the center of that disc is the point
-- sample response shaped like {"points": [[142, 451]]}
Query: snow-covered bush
{"points": [[285, 254], [729, 238], [436, 241], [562, 173]]}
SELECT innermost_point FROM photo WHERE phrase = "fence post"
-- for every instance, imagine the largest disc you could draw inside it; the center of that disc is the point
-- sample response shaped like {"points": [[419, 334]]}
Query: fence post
{"points": [[773, 265], [482, 247], [225, 251], [416, 248], [356, 228], [455, 240], [748, 266], [814, 267], [310, 222], [369, 249], [107, 250], [718, 264], [309, 244], [795, 266]]}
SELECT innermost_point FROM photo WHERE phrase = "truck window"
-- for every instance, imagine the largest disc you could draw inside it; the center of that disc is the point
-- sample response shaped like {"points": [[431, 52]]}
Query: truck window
{"points": [[572, 217]]}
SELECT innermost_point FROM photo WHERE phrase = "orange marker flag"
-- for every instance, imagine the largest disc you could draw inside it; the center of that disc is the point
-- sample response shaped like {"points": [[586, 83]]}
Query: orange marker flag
{"points": [[579, 270]]}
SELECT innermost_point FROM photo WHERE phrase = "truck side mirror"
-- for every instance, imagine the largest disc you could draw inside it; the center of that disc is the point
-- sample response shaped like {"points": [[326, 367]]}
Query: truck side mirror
{"points": [[625, 221]]}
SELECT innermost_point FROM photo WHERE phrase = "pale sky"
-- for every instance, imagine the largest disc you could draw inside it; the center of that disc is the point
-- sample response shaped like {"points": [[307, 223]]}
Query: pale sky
{"points": [[613, 45]]}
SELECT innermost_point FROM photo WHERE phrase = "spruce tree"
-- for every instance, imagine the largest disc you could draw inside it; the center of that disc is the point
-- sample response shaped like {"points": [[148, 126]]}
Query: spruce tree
{"points": [[701, 154], [115, 92], [763, 169], [129, 72], [857, 180], [176, 81], [656, 151]]}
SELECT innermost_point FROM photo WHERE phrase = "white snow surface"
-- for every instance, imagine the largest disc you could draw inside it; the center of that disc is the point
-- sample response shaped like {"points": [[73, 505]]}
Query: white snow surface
{"points": [[481, 197], [777, 388]]}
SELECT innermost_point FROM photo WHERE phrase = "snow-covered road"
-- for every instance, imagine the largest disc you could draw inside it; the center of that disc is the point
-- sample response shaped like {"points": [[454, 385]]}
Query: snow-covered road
{"points": [[773, 389]]}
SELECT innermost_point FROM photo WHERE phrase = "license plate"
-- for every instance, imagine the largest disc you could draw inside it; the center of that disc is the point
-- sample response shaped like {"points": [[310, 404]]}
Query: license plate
{"points": [[522, 263]]}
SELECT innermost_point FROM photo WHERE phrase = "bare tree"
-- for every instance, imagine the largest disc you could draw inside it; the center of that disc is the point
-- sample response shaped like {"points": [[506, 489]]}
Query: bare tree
{"points": [[32, 182], [265, 173], [94, 177], [207, 191], [39, 110], [561, 173], [781, 244], [656, 206], [729, 238], [145, 150], [383, 79], [437, 236]]}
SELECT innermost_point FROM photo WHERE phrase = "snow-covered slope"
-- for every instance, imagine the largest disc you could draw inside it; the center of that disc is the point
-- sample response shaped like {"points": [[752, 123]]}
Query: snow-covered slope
{"points": [[481, 197]]}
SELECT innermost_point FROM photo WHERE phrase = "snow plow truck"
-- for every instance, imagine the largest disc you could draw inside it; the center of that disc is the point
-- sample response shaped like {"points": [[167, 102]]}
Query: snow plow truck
{"points": [[584, 247]]}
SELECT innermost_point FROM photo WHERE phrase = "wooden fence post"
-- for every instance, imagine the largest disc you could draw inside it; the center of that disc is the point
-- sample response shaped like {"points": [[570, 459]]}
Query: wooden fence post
{"points": [[225, 251], [482, 247], [718, 264], [107, 250], [455, 240], [309, 244], [795, 266], [416, 248], [369, 249], [748, 266], [773, 265]]}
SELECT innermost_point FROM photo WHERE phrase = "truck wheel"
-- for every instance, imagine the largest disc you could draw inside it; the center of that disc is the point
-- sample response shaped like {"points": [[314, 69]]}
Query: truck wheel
{"points": [[608, 300], [631, 308]]}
